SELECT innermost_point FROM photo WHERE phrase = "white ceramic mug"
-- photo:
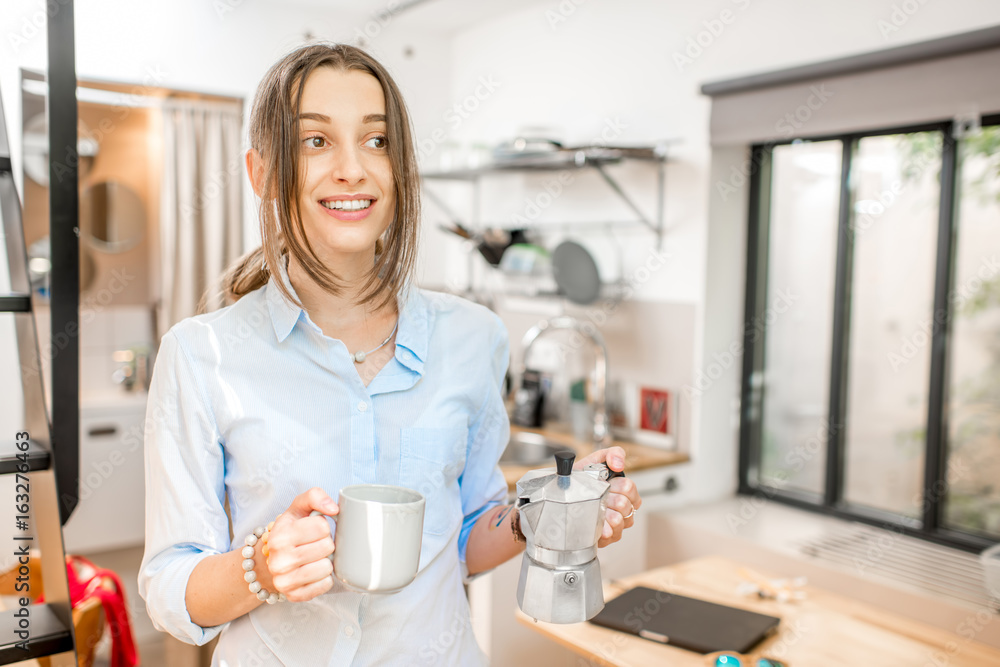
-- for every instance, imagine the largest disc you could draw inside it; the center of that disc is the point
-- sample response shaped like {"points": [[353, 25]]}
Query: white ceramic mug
{"points": [[378, 537]]}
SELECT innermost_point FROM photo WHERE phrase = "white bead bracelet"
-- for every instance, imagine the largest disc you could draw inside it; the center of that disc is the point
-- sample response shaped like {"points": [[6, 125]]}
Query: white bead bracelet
{"points": [[250, 576]]}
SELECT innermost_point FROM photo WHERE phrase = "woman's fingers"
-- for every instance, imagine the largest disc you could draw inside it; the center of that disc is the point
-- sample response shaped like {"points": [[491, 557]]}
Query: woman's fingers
{"points": [[285, 536], [622, 502], [307, 581], [614, 524], [315, 499], [624, 486], [283, 561], [299, 544]]}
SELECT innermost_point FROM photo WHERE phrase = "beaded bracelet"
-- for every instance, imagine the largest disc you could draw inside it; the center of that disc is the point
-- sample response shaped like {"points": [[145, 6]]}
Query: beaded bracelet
{"points": [[250, 576]]}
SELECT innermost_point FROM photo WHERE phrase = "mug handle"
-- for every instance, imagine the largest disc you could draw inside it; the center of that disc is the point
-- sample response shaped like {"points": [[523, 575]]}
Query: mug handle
{"points": [[326, 516]]}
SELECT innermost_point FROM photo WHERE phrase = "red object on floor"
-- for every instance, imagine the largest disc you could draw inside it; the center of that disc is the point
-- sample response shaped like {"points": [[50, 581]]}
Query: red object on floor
{"points": [[86, 581]]}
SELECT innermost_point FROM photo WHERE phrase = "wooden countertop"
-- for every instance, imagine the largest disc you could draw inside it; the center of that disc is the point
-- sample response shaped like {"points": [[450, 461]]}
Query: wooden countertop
{"points": [[637, 457], [824, 630]]}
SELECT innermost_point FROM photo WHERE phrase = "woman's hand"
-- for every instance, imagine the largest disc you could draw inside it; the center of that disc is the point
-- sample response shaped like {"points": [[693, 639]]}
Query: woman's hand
{"points": [[299, 545], [623, 498]]}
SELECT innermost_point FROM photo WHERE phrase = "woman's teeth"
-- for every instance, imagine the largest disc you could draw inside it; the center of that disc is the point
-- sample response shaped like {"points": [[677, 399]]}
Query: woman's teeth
{"points": [[347, 204]]}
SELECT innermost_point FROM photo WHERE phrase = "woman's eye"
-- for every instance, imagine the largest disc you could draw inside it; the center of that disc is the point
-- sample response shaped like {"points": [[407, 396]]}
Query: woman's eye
{"points": [[380, 142], [315, 142]]}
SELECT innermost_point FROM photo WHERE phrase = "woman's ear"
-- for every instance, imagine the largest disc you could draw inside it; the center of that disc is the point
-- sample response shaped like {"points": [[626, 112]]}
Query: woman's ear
{"points": [[255, 170]]}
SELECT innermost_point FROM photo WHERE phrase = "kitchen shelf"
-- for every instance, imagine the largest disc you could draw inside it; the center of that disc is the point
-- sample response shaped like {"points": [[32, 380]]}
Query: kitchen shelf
{"points": [[556, 160], [15, 303], [596, 158]]}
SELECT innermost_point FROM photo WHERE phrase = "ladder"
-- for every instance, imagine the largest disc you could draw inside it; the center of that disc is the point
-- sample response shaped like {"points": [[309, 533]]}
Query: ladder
{"points": [[26, 458]]}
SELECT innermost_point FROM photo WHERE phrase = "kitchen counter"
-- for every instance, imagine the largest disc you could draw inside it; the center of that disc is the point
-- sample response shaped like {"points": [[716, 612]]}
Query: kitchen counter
{"points": [[824, 629], [637, 457]]}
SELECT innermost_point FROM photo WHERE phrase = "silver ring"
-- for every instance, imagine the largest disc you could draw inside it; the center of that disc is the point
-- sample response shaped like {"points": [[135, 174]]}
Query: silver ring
{"points": [[631, 513]]}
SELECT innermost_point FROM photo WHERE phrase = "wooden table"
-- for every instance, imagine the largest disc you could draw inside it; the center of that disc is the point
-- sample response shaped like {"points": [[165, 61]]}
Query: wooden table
{"points": [[823, 630], [637, 457]]}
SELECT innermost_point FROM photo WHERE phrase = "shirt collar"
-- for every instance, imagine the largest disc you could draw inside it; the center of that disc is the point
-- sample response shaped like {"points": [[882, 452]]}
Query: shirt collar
{"points": [[284, 313], [412, 337]]}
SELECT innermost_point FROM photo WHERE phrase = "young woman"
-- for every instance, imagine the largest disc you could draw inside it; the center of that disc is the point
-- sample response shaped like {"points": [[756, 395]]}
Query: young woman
{"points": [[330, 369]]}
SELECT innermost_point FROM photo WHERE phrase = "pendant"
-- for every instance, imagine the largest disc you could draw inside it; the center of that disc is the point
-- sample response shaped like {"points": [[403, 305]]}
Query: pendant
{"points": [[359, 357]]}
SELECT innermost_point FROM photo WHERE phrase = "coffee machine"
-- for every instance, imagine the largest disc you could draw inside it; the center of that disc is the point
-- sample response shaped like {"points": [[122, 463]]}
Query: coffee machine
{"points": [[562, 515]]}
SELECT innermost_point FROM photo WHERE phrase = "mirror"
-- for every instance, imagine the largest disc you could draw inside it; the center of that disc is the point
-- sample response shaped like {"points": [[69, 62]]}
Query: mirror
{"points": [[112, 215]]}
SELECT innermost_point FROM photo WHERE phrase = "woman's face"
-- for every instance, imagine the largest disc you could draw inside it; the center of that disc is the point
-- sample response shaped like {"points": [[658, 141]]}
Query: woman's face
{"points": [[347, 197]]}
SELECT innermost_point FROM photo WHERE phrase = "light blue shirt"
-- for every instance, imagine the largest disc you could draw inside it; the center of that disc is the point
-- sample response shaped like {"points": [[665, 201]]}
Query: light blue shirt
{"points": [[255, 404]]}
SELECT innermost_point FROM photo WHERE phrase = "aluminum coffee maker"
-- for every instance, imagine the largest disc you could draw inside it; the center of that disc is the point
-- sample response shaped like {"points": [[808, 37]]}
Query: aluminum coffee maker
{"points": [[562, 515]]}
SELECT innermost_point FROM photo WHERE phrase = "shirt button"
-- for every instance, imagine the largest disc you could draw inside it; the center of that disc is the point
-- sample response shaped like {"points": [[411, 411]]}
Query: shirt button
{"points": [[349, 631], [362, 406]]}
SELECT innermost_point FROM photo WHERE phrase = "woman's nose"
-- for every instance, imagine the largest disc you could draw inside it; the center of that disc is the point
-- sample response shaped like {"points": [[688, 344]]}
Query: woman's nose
{"points": [[347, 166]]}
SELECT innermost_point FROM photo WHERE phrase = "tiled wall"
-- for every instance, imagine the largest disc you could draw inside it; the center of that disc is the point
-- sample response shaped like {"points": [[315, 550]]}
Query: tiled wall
{"points": [[102, 331]]}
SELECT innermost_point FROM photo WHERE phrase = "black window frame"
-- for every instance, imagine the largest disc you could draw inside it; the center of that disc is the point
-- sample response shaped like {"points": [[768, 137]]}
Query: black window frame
{"points": [[831, 502]]}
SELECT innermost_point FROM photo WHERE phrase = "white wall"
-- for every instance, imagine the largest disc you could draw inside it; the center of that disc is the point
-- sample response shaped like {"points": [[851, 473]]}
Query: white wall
{"points": [[573, 65], [222, 47]]}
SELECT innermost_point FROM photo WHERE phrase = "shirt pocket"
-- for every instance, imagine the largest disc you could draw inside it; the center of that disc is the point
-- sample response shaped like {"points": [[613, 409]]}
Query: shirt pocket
{"points": [[432, 459]]}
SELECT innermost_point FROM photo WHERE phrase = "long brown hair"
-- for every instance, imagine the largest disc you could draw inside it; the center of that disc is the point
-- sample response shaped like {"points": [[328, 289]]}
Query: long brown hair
{"points": [[274, 133]]}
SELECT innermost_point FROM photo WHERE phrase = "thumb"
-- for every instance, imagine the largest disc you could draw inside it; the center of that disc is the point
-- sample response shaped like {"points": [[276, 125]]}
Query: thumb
{"points": [[614, 457], [315, 499]]}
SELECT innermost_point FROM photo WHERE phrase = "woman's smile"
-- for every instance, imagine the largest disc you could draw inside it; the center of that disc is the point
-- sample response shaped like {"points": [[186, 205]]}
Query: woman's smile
{"points": [[349, 208]]}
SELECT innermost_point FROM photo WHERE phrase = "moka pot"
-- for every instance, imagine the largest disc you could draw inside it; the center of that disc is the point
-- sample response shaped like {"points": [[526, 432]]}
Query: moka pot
{"points": [[562, 516]]}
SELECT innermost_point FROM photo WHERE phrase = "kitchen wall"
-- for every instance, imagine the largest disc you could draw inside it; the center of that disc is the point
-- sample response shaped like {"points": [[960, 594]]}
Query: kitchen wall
{"points": [[221, 47], [625, 72], [634, 68]]}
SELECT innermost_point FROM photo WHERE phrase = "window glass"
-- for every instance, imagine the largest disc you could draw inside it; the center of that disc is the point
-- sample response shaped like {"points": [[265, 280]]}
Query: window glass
{"points": [[798, 314], [973, 470], [895, 179]]}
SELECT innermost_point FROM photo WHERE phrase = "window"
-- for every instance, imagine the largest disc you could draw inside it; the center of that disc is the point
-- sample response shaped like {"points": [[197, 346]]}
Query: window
{"points": [[873, 391]]}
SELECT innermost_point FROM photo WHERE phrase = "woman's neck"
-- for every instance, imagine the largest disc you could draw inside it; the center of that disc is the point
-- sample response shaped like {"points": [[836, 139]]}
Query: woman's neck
{"points": [[341, 316]]}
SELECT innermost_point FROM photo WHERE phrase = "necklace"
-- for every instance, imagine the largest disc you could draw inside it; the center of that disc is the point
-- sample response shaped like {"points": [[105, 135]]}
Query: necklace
{"points": [[359, 357]]}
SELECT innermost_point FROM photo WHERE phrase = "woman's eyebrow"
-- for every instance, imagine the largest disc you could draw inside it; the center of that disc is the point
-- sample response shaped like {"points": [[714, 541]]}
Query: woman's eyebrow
{"points": [[370, 118], [314, 116]]}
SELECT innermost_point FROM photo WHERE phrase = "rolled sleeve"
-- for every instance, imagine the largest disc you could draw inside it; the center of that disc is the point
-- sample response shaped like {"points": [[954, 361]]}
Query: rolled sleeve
{"points": [[185, 491], [483, 485]]}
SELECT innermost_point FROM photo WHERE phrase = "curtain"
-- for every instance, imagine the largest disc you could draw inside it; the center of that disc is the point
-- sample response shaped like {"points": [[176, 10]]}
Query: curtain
{"points": [[200, 205]]}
